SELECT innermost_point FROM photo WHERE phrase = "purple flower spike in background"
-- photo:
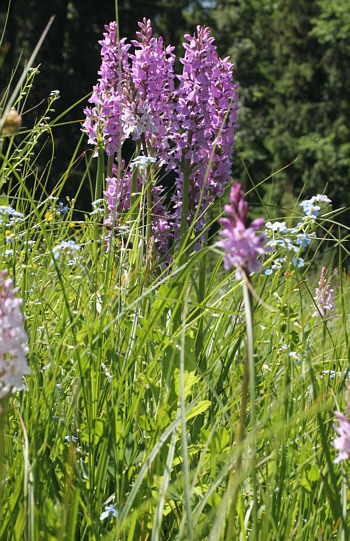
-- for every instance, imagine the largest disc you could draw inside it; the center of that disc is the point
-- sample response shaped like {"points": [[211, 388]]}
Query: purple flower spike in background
{"points": [[104, 116], [138, 96], [241, 244], [324, 297], [153, 76], [204, 123], [190, 129], [13, 349]]}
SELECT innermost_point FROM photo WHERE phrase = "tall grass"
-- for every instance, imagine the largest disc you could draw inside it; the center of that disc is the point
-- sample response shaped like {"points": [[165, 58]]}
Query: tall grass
{"points": [[128, 429]]}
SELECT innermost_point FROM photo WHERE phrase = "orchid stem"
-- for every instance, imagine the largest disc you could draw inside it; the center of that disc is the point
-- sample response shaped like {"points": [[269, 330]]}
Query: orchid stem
{"points": [[249, 375], [133, 189], [100, 168], [184, 213], [2, 449], [201, 297]]}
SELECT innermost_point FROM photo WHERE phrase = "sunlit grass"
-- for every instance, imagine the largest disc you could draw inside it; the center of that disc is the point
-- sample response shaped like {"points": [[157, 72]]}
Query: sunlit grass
{"points": [[128, 425]]}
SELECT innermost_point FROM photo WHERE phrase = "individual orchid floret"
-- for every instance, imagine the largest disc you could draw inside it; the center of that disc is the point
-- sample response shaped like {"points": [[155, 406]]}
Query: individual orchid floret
{"points": [[13, 348], [242, 245], [324, 299]]}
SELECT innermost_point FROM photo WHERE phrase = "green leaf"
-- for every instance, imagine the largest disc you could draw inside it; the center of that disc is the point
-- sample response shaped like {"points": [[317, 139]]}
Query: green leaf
{"points": [[190, 380], [199, 408], [314, 474]]}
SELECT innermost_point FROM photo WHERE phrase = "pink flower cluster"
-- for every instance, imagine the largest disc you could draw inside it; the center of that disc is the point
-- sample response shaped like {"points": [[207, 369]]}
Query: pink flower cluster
{"points": [[136, 99], [324, 297], [342, 443], [152, 74], [241, 244], [13, 349], [103, 119], [118, 202], [190, 128], [203, 125]]}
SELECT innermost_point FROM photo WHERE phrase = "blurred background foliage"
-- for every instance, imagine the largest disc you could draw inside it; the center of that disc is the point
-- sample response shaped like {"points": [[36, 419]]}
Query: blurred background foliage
{"points": [[292, 60]]}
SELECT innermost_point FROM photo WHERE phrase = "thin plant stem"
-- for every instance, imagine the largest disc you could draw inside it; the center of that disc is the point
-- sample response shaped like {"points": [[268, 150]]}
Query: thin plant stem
{"points": [[99, 183], [249, 374], [100, 169], [240, 438], [186, 164], [149, 210], [133, 190], [24, 74], [184, 212], [186, 470], [248, 307], [201, 297], [149, 193], [110, 162], [2, 449]]}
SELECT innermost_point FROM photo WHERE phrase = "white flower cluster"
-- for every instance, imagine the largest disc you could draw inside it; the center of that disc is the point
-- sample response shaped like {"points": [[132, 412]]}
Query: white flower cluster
{"points": [[13, 349]]}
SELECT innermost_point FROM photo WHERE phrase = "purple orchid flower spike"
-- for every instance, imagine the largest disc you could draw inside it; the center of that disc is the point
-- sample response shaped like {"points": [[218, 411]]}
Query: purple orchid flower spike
{"points": [[242, 245], [13, 348]]}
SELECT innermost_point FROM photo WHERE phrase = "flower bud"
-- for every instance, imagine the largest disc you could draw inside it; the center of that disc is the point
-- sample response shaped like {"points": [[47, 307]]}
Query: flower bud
{"points": [[12, 123]]}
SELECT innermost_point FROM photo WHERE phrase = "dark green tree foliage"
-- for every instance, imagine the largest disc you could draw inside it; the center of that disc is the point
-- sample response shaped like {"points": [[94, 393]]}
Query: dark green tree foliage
{"points": [[332, 30], [239, 30], [292, 62]]}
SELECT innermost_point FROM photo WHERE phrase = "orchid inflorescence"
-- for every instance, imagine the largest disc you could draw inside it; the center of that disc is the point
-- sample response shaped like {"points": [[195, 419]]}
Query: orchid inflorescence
{"points": [[13, 348], [189, 129], [324, 300], [241, 244], [342, 441]]}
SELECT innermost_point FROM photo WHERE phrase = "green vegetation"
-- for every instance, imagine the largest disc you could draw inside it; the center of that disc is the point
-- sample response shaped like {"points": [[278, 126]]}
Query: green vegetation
{"points": [[138, 421], [292, 62]]}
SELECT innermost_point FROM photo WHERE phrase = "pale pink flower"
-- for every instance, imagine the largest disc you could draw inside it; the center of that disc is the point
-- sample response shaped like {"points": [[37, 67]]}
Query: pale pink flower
{"points": [[13, 349], [324, 299], [342, 443]]}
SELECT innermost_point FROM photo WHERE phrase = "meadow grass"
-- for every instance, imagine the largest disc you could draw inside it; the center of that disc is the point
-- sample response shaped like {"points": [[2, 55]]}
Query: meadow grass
{"points": [[129, 425]]}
